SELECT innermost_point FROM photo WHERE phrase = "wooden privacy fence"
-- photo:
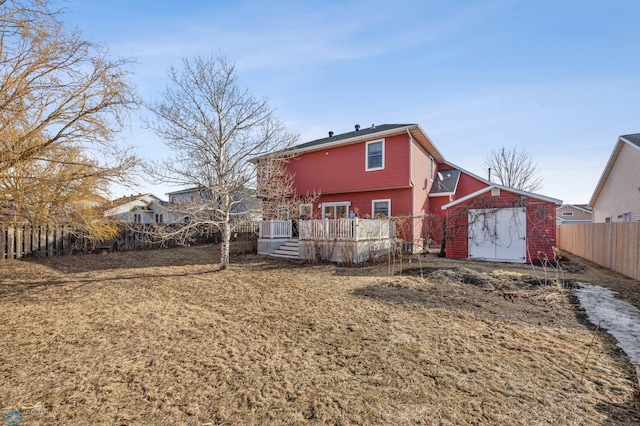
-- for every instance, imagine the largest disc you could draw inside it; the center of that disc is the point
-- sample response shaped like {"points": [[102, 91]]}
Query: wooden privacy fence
{"points": [[58, 240], [612, 245], [37, 241]]}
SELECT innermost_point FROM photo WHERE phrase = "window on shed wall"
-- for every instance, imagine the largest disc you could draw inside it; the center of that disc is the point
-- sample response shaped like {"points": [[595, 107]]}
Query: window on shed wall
{"points": [[607, 219], [375, 155], [381, 208]]}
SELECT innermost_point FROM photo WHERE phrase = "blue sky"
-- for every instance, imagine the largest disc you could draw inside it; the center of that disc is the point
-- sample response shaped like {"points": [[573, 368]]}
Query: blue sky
{"points": [[559, 78]]}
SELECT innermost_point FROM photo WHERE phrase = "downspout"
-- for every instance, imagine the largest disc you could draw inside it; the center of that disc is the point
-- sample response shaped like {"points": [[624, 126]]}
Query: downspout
{"points": [[413, 187]]}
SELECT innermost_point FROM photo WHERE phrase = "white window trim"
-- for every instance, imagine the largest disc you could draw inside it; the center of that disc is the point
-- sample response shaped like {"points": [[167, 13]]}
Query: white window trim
{"points": [[309, 205], [567, 213], [284, 207], [373, 203], [366, 156], [340, 203]]}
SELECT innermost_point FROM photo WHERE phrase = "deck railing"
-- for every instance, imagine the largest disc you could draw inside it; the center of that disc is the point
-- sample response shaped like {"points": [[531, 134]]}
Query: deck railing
{"points": [[276, 229], [346, 229]]}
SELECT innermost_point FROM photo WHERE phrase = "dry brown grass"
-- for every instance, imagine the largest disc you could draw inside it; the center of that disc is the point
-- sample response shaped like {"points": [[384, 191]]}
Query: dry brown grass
{"points": [[163, 337]]}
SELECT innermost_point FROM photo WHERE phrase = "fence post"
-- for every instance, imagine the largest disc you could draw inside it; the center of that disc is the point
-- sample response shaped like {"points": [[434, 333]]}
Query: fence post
{"points": [[3, 242], [18, 242], [356, 229], [11, 236]]}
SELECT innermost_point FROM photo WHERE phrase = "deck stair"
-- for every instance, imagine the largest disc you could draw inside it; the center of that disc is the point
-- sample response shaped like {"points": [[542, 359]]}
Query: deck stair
{"points": [[288, 250]]}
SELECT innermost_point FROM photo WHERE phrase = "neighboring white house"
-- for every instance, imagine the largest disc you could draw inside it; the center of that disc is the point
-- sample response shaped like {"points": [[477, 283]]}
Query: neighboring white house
{"points": [[617, 195], [144, 208]]}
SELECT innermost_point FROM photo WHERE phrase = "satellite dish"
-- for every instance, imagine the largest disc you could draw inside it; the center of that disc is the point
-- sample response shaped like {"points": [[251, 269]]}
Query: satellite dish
{"points": [[440, 176]]}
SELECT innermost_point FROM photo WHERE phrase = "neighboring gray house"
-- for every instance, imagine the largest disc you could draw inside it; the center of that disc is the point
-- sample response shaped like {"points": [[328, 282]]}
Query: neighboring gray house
{"points": [[573, 213], [144, 208], [249, 205], [617, 195]]}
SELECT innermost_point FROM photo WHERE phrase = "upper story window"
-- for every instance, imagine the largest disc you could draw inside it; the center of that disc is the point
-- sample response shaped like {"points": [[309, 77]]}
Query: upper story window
{"points": [[567, 213], [263, 172], [375, 155]]}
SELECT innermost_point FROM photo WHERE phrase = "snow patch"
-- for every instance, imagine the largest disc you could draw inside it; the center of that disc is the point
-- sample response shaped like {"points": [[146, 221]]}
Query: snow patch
{"points": [[619, 318]]}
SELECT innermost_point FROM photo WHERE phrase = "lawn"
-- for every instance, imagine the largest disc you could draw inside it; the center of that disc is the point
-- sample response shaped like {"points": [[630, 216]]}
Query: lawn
{"points": [[163, 337]]}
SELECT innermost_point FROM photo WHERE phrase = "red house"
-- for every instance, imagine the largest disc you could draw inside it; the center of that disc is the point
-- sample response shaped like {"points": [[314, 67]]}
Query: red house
{"points": [[396, 170]]}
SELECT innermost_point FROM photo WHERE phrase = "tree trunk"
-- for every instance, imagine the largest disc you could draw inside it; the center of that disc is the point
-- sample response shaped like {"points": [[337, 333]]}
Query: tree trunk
{"points": [[224, 246]]}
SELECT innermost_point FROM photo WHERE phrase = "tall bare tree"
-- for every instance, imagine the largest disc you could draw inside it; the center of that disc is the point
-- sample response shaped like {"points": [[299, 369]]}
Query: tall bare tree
{"points": [[214, 128], [62, 103], [513, 167], [276, 188]]}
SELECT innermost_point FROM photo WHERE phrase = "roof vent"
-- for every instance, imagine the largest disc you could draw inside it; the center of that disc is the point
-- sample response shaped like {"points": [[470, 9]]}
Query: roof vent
{"points": [[357, 127], [330, 134], [373, 126]]}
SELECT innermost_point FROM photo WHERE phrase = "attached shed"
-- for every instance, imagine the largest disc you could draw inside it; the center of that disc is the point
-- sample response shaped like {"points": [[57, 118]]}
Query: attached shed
{"points": [[501, 224]]}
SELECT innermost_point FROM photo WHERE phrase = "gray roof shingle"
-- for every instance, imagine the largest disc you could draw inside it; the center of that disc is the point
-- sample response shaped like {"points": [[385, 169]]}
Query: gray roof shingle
{"points": [[363, 131], [633, 138]]}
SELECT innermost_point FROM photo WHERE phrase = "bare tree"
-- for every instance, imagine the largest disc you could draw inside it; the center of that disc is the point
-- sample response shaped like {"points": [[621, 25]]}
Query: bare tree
{"points": [[513, 167], [276, 188], [62, 103], [214, 128]]}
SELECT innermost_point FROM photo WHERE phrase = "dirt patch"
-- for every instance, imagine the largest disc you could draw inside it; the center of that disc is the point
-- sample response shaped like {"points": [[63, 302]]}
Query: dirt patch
{"points": [[165, 338]]}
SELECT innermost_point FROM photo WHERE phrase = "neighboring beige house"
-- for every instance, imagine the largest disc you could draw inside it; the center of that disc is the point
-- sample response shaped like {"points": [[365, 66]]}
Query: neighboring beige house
{"points": [[617, 195], [573, 213]]}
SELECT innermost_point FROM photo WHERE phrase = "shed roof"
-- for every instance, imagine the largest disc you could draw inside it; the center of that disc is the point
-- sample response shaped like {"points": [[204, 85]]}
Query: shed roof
{"points": [[505, 188]]}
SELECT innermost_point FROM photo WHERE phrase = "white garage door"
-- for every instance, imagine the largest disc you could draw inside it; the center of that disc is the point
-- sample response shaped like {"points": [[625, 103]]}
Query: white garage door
{"points": [[498, 234]]}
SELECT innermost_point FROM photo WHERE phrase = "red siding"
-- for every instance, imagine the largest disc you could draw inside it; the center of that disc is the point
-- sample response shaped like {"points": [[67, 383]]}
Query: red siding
{"points": [[435, 204], [541, 228], [420, 168], [361, 201], [342, 169], [466, 185]]}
